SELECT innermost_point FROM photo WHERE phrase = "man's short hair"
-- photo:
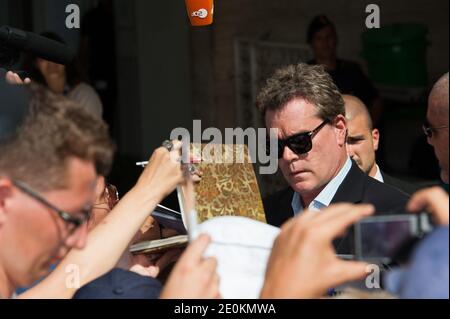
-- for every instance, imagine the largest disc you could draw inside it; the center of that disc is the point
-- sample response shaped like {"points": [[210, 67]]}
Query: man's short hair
{"points": [[309, 82], [55, 130], [357, 109]]}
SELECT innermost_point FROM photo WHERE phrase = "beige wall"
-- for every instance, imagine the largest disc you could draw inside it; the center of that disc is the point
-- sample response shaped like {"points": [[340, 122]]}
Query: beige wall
{"points": [[286, 21]]}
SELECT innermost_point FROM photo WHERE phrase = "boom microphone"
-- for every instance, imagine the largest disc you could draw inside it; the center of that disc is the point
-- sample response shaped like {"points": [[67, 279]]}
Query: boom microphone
{"points": [[11, 38]]}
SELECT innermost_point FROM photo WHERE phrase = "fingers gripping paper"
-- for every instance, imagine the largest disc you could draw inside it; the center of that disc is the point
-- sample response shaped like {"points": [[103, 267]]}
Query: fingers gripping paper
{"points": [[242, 248]]}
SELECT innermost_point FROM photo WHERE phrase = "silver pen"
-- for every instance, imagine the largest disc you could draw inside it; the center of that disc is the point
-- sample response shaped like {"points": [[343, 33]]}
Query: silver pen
{"points": [[142, 164]]}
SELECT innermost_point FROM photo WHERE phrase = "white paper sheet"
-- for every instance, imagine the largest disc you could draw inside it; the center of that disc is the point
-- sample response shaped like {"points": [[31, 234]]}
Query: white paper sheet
{"points": [[242, 248]]}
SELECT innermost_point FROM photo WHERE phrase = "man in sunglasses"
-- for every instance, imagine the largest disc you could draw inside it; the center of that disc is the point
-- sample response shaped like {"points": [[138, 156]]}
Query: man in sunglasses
{"points": [[362, 143], [306, 108], [436, 124]]}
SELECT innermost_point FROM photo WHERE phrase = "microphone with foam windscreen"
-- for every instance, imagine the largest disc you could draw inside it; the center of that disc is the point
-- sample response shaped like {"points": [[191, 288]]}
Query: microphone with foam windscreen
{"points": [[11, 38]]}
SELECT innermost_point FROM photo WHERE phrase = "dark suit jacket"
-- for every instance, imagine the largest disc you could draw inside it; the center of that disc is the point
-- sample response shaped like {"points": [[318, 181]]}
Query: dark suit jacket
{"points": [[120, 284], [357, 187], [405, 187]]}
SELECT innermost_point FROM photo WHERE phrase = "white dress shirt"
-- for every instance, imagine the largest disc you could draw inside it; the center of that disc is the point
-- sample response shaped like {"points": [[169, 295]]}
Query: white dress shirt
{"points": [[378, 175]]}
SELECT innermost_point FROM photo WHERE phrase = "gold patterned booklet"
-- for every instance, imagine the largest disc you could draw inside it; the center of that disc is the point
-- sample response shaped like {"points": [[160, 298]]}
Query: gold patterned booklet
{"points": [[228, 187], [230, 211]]}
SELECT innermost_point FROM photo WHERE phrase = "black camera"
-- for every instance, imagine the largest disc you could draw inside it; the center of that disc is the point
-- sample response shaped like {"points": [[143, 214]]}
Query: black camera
{"points": [[385, 238]]}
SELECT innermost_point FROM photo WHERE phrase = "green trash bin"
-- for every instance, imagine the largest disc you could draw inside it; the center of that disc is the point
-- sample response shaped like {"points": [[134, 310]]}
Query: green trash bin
{"points": [[396, 54]]}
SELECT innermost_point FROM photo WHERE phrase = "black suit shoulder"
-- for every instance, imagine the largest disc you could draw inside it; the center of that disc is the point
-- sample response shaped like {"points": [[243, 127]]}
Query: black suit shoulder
{"points": [[358, 187], [386, 198], [404, 186]]}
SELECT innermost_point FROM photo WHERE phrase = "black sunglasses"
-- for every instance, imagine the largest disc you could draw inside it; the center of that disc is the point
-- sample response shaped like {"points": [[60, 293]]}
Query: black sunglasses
{"points": [[429, 130], [72, 221], [299, 143]]}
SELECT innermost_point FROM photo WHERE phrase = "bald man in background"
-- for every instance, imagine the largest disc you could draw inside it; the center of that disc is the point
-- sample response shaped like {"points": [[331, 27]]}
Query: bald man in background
{"points": [[436, 124], [362, 143]]}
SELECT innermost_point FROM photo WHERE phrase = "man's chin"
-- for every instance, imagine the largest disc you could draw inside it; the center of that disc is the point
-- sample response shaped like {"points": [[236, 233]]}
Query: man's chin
{"points": [[303, 186]]}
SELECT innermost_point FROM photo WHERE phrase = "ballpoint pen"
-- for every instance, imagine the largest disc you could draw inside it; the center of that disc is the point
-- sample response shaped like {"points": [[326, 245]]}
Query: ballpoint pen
{"points": [[191, 168]]}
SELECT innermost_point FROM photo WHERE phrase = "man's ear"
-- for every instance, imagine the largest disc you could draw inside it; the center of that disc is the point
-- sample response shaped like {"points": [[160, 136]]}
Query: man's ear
{"points": [[340, 127], [375, 139], [5, 192]]}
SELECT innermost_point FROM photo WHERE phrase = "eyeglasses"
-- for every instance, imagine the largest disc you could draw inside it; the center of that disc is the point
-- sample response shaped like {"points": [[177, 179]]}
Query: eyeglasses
{"points": [[72, 221], [429, 130], [111, 197], [300, 143]]}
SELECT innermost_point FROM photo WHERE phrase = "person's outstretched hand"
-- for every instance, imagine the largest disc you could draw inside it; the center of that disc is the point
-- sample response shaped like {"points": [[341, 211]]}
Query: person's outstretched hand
{"points": [[303, 262], [162, 173]]}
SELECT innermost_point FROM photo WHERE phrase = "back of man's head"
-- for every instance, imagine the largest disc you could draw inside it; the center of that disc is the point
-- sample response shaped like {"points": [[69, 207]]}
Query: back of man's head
{"points": [[54, 131]]}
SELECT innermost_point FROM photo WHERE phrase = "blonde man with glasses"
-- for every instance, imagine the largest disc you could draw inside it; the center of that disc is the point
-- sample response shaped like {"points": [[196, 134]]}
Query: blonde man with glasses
{"points": [[49, 170]]}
